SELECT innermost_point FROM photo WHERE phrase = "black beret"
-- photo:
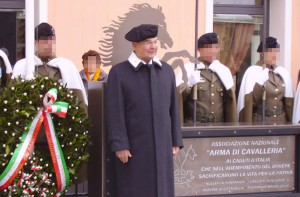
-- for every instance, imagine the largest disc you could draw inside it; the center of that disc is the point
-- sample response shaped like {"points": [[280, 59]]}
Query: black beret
{"points": [[271, 43], [142, 32], [43, 30], [208, 38]]}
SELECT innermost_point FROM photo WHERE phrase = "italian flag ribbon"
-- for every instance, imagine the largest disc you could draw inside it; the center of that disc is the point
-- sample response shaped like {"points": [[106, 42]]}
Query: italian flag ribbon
{"points": [[24, 149]]}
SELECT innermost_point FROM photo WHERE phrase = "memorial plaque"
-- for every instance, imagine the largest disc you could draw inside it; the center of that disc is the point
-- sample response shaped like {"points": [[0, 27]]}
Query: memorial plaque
{"points": [[231, 165]]}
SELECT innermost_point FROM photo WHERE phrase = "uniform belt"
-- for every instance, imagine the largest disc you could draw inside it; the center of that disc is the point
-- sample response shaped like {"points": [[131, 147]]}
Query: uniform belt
{"points": [[271, 112], [206, 118]]}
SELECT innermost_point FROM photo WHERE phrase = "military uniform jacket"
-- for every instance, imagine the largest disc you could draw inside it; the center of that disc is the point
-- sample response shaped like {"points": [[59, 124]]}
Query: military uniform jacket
{"points": [[142, 116], [215, 102], [59, 69], [279, 97]]}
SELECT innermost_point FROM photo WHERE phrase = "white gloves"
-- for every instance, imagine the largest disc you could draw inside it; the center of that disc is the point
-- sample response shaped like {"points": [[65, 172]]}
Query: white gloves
{"points": [[178, 78], [194, 78], [263, 76]]}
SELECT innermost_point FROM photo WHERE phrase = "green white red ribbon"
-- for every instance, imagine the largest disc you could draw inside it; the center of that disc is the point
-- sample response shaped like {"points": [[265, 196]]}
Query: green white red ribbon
{"points": [[23, 151]]}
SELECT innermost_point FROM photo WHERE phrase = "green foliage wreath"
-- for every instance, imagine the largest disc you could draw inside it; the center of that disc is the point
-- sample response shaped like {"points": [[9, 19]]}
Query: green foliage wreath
{"points": [[19, 104]]}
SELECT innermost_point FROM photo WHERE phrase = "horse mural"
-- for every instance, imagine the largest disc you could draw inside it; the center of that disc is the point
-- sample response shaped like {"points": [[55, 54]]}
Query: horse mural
{"points": [[183, 176], [115, 49]]}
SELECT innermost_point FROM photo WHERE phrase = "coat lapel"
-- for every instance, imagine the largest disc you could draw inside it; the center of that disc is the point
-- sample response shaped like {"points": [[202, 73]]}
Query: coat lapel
{"points": [[205, 74], [209, 75], [214, 77], [272, 79]]}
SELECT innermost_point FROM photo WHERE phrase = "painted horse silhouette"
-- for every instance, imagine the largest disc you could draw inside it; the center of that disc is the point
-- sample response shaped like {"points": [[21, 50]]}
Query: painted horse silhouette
{"points": [[115, 49], [183, 176]]}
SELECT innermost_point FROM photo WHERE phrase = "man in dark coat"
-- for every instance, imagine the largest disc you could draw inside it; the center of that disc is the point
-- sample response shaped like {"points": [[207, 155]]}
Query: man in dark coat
{"points": [[142, 119]]}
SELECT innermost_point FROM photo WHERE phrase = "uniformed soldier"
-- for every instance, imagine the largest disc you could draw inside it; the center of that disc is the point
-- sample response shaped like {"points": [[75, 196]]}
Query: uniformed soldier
{"points": [[216, 100], [272, 79], [47, 64]]}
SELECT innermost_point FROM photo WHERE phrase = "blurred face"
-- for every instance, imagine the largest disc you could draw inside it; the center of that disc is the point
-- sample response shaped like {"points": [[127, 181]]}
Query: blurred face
{"points": [[209, 52], [147, 49], [46, 46], [90, 65], [271, 56]]}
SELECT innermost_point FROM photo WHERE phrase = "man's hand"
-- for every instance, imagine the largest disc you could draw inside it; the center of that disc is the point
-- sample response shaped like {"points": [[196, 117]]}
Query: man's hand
{"points": [[175, 150], [123, 155], [194, 78]]}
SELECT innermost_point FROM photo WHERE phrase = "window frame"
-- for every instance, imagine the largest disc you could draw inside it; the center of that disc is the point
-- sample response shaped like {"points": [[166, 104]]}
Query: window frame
{"points": [[246, 9], [12, 4]]}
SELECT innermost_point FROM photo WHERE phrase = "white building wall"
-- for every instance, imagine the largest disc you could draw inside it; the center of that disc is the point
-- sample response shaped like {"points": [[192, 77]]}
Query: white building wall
{"points": [[209, 16], [281, 28], [41, 11]]}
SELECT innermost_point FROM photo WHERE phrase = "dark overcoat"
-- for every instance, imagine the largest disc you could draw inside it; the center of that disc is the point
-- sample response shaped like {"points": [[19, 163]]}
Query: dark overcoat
{"points": [[142, 116]]}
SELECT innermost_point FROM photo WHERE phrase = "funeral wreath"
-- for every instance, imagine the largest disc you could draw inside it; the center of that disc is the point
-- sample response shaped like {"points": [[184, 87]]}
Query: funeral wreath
{"points": [[44, 138]]}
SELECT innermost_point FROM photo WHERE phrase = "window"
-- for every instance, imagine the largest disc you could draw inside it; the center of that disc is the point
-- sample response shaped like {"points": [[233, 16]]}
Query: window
{"points": [[12, 37], [240, 27]]}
